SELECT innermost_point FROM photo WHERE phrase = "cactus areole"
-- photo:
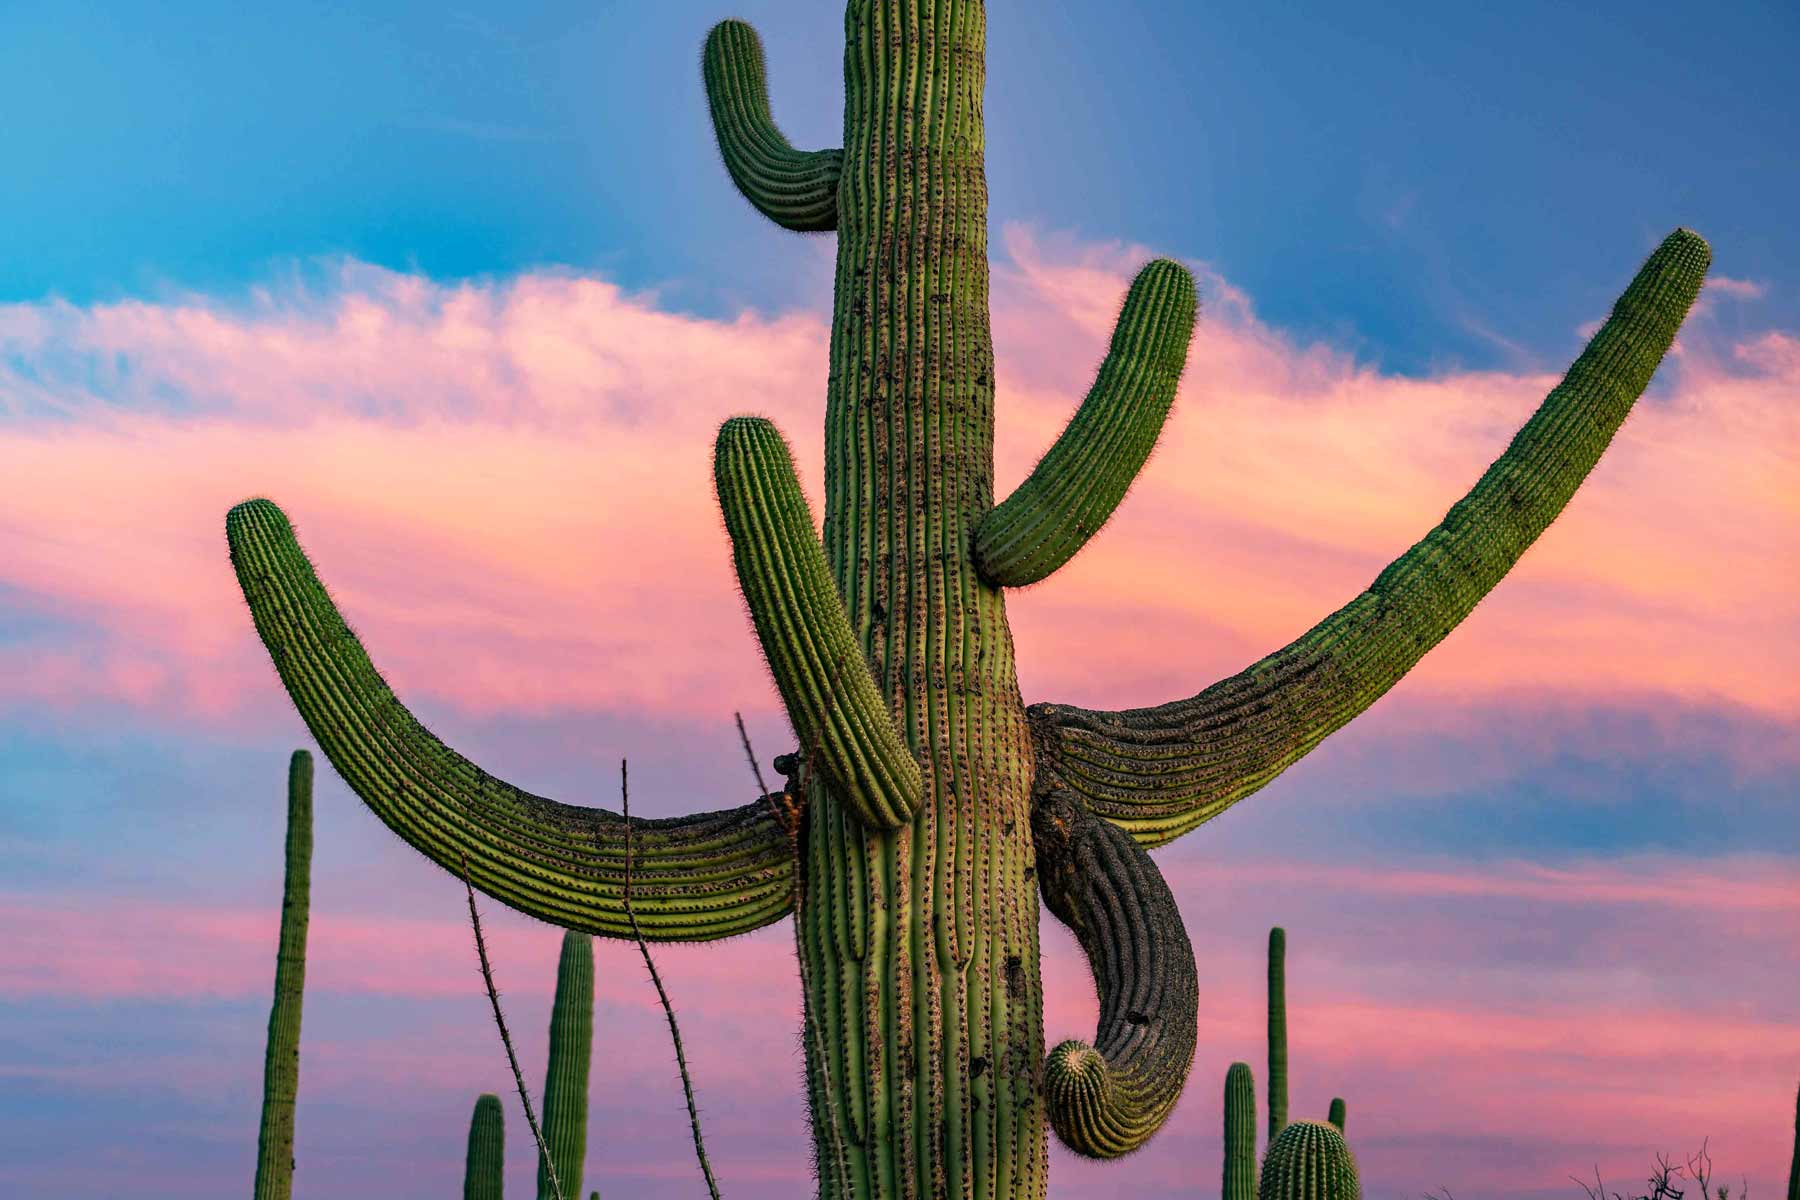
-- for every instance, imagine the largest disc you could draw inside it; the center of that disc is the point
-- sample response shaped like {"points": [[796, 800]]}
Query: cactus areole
{"points": [[903, 844]]}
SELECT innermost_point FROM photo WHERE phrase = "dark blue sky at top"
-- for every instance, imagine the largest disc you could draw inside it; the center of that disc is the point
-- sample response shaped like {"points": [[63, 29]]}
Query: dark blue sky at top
{"points": [[1424, 184]]}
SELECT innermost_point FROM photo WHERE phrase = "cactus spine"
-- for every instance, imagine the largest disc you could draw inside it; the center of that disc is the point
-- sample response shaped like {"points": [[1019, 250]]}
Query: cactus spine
{"points": [[910, 873], [1336, 1119], [1309, 1161], [281, 1055], [1278, 1045], [484, 1170], [1240, 1133], [566, 1081]]}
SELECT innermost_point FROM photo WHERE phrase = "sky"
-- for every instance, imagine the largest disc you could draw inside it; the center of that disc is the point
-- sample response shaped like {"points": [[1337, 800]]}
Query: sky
{"points": [[466, 290]]}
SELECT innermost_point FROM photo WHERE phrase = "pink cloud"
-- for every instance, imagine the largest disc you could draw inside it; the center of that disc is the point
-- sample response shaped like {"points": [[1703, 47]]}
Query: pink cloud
{"points": [[507, 485]]}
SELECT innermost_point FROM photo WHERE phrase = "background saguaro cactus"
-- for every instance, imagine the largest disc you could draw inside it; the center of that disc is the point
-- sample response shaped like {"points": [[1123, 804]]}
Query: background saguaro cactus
{"points": [[912, 868], [281, 1055], [1240, 1133], [484, 1171], [566, 1077], [1278, 1043], [1309, 1160]]}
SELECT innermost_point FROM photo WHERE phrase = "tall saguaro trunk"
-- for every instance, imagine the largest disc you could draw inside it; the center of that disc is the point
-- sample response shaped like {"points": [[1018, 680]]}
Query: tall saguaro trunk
{"points": [[921, 944]]}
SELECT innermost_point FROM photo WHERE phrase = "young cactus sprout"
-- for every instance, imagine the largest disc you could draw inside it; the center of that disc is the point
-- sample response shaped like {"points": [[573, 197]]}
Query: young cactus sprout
{"points": [[906, 849]]}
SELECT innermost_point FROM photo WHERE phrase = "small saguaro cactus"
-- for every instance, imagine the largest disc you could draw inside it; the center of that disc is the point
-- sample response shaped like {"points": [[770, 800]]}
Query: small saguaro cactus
{"points": [[1278, 1044], [904, 845], [1240, 1133], [1309, 1160], [484, 1172], [281, 1054], [1336, 1117], [566, 1080]]}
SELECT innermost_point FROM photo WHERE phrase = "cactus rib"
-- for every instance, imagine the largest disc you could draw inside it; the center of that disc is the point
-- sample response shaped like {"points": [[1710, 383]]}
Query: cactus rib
{"points": [[819, 668], [797, 189], [484, 1169], [697, 878], [1240, 1134], [566, 1078], [281, 1061], [1309, 1161], [1083, 477], [1162, 771], [1108, 1099]]}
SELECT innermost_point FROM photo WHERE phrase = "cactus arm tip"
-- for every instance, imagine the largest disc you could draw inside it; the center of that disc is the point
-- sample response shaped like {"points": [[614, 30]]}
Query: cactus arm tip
{"points": [[1162, 771], [1107, 1099], [796, 189], [819, 669], [699, 877], [1081, 480]]}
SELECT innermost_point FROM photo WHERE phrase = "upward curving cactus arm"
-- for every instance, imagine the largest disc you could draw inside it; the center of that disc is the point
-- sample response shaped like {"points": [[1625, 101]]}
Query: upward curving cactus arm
{"points": [[818, 665], [1076, 486], [1159, 772], [694, 878], [796, 189], [1107, 1099]]}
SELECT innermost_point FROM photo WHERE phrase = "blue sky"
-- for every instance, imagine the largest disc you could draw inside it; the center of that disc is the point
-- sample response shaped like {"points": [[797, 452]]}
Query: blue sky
{"points": [[1402, 215]]}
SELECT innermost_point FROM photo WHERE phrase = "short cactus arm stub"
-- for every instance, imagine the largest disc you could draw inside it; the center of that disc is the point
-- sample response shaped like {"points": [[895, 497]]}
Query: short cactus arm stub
{"points": [[796, 189], [1161, 771], [1107, 1099], [694, 878], [819, 669], [1081, 480]]}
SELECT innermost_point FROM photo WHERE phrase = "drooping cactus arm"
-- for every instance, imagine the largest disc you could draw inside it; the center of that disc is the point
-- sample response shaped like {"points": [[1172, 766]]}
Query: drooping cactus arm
{"points": [[831, 697], [1081, 480], [694, 878], [1107, 1099], [797, 189], [1159, 772]]}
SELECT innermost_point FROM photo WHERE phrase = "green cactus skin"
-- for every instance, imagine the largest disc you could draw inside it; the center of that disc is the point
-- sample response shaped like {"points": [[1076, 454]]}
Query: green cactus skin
{"points": [[796, 189], [1794, 1163], [1309, 1161], [918, 945], [1278, 1046], [1081, 480], [571, 1051], [818, 666], [1336, 1118], [281, 1055], [484, 1172], [1107, 1099], [1161, 771], [1240, 1133]]}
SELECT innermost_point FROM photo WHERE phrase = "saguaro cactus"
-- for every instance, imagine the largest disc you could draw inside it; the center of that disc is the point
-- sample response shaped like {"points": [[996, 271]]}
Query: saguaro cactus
{"points": [[566, 1080], [1309, 1161], [1336, 1117], [1240, 1133], [281, 1054], [1794, 1163], [1278, 1046], [911, 869], [484, 1172]]}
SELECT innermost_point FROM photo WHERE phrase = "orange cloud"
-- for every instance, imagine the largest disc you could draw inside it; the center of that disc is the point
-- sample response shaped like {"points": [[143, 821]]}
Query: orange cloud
{"points": [[507, 485]]}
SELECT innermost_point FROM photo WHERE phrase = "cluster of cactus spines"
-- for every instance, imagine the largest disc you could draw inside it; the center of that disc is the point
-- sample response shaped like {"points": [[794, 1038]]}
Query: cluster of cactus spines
{"points": [[1278, 1044], [796, 189], [566, 1080], [1108, 1098], [919, 943], [281, 1054], [1309, 1160], [1240, 1133], [1161, 771], [484, 1175], [1081, 480], [1336, 1117], [832, 699]]}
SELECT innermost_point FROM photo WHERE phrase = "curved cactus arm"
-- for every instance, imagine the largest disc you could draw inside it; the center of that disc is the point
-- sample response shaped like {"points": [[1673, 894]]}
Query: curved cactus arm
{"points": [[796, 189], [1161, 771], [1076, 486], [694, 878], [1107, 1099], [832, 699]]}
